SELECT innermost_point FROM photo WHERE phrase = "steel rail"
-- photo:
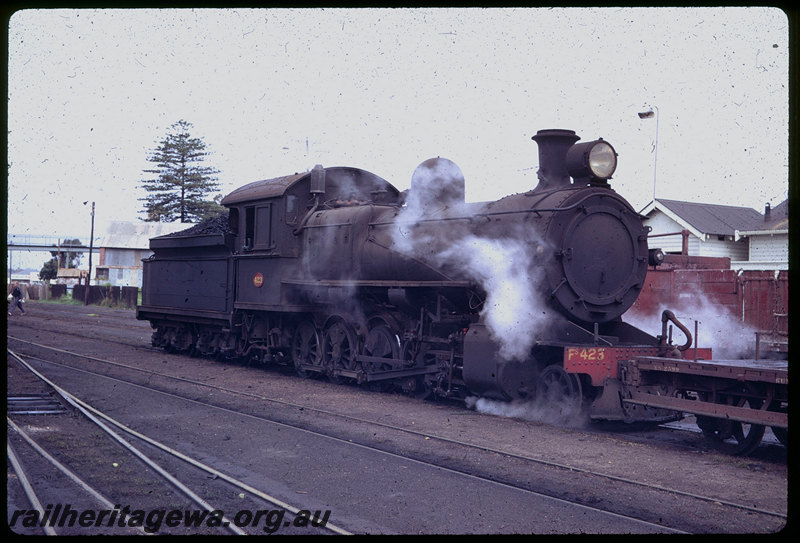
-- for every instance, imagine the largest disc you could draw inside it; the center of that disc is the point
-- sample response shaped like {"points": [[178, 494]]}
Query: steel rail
{"points": [[27, 487], [80, 405], [367, 447], [548, 463], [86, 409], [64, 469]]}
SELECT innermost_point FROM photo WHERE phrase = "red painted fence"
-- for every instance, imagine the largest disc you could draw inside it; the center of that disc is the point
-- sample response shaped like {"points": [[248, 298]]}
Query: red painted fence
{"points": [[706, 289]]}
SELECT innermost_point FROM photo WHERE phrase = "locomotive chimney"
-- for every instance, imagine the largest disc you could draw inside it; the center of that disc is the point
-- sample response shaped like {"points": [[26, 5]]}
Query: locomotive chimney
{"points": [[553, 146]]}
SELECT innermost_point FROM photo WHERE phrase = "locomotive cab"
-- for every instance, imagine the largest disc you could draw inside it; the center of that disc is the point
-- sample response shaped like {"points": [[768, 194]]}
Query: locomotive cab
{"points": [[271, 218]]}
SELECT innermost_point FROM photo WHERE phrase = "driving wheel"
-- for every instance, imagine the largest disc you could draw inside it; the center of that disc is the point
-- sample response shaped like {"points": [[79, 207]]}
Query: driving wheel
{"points": [[306, 348], [339, 349]]}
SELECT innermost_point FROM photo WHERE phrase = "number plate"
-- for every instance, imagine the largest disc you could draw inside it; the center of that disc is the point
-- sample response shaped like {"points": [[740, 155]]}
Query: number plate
{"points": [[586, 354]]}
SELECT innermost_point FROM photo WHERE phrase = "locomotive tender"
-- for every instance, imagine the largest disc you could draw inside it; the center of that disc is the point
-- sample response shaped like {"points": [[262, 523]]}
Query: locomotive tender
{"points": [[337, 273]]}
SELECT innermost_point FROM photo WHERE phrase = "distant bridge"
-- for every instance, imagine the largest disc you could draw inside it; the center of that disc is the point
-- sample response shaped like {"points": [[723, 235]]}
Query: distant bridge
{"points": [[32, 242]]}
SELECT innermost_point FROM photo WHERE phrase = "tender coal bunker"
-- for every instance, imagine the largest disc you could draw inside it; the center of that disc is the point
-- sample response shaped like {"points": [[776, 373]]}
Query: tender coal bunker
{"points": [[218, 224]]}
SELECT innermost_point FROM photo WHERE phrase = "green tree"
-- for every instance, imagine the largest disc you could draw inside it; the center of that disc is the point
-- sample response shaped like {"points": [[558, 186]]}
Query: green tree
{"points": [[66, 257], [182, 183], [49, 271]]}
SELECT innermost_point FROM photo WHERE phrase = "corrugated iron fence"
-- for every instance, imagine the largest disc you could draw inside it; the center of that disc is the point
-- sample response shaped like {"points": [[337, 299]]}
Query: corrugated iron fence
{"points": [[121, 296], [764, 300]]}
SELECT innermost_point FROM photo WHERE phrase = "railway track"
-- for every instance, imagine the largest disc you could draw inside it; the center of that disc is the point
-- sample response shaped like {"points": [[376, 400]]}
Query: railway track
{"points": [[202, 518], [118, 329], [118, 325], [629, 486]]}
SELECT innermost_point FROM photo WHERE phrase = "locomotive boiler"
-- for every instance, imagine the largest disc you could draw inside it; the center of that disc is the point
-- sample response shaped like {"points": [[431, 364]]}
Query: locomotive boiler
{"points": [[336, 272]]}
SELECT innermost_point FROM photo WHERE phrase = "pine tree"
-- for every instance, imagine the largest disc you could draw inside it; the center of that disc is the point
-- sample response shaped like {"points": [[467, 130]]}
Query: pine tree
{"points": [[182, 184]]}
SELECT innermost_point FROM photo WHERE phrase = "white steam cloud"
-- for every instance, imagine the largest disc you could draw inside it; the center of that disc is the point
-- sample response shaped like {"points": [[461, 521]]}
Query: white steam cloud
{"points": [[718, 327], [505, 267], [560, 413]]}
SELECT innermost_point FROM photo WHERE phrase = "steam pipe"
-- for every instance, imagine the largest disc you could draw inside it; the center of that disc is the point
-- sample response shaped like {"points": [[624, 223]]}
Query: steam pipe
{"points": [[493, 213], [669, 316], [311, 211]]}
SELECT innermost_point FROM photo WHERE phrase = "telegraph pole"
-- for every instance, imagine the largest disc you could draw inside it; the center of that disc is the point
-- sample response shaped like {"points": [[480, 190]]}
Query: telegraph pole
{"points": [[91, 246]]}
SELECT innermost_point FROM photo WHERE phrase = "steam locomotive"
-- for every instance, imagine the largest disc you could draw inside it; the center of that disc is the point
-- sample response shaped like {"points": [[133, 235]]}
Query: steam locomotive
{"points": [[336, 272]]}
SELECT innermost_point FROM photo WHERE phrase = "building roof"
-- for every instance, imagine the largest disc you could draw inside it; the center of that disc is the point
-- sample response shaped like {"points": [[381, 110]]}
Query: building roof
{"points": [[70, 273], [136, 235], [773, 219], [703, 218]]}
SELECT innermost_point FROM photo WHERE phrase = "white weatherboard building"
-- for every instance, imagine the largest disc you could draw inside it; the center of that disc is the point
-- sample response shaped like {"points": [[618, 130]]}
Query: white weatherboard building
{"points": [[768, 240], [123, 247], [752, 241]]}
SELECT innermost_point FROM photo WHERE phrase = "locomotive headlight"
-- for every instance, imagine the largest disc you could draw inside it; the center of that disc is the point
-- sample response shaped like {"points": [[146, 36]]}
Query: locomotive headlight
{"points": [[595, 160]]}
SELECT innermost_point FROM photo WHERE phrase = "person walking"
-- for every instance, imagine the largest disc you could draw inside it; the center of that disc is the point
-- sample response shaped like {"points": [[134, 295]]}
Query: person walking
{"points": [[16, 302]]}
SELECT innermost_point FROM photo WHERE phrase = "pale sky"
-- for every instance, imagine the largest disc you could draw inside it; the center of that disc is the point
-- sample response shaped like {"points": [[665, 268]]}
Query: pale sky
{"points": [[276, 91]]}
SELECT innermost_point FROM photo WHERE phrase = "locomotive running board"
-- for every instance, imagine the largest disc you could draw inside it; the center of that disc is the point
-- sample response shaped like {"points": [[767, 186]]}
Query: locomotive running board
{"points": [[719, 411], [364, 377], [374, 283]]}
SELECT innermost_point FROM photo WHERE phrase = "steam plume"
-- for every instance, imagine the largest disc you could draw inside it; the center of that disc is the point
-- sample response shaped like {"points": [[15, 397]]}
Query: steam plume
{"points": [[504, 265], [718, 327]]}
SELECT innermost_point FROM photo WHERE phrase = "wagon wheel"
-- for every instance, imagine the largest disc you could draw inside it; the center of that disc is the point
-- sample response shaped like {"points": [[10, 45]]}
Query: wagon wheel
{"points": [[558, 391], [730, 436], [339, 349], [306, 348], [781, 433]]}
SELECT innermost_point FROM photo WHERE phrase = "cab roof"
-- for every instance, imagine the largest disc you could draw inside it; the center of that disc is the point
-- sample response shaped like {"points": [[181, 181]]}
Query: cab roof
{"points": [[340, 182]]}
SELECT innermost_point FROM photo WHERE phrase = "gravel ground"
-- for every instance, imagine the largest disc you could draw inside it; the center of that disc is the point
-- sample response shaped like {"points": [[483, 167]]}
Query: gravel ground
{"points": [[665, 458]]}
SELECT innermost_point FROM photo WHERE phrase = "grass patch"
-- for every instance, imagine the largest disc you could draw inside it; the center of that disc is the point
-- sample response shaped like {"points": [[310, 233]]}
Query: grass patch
{"points": [[66, 299]]}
